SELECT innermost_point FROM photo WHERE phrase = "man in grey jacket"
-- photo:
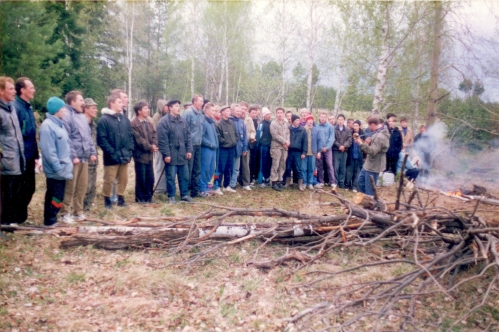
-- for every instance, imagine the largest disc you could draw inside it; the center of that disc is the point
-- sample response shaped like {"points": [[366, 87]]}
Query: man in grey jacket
{"points": [[195, 118], [11, 153], [82, 150]]}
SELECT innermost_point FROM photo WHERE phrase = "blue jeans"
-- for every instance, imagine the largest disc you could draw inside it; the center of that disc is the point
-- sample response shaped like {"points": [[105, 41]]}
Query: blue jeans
{"points": [[225, 165], [364, 182], [180, 171], [235, 171], [207, 167], [340, 167], [265, 161], [308, 168], [294, 163]]}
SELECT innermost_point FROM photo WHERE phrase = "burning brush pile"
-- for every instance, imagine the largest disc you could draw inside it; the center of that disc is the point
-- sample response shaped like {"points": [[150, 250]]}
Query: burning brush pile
{"points": [[440, 250]]}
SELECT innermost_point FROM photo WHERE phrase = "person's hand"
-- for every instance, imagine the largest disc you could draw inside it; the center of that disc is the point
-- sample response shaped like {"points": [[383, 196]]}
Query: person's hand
{"points": [[93, 158], [154, 148], [76, 161], [324, 150], [188, 155], [244, 154], [318, 155], [342, 148], [168, 159], [368, 140], [302, 156], [358, 140]]}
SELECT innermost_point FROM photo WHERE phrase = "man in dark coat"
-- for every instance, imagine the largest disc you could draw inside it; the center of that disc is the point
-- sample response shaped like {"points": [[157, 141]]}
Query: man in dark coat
{"points": [[297, 151], [114, 136], [146, 143], [174, 139], [342, 142], [25, 91], [396, 144]]}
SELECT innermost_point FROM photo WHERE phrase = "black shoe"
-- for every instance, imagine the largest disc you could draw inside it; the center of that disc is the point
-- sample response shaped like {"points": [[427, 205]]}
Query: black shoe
{"points": [[151, 201], [107, 203], [187, 199], [276, 186], [172, 200], [280, 185], [121, 201]]}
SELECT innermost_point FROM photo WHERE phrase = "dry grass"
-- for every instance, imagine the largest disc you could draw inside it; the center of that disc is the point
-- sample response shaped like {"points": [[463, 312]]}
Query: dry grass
{"points": [[83, 289]]}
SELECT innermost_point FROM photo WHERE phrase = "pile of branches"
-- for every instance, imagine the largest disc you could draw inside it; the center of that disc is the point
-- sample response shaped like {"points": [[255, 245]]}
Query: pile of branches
{"points": [[434, 243]]}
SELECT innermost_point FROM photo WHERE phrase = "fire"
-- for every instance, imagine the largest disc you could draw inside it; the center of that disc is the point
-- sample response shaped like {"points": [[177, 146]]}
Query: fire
{"points": [[458, 193]]}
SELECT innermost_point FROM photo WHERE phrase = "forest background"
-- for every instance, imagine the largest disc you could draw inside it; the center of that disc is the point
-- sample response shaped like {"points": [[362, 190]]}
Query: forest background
{"points": [[423, 60]]}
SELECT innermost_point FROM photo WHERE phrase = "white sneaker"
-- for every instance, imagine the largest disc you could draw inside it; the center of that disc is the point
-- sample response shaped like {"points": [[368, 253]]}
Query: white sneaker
{"points": [[354, 190], [80, 217], [310, 187], [334, 185], [319, 186], [67, 219], [247, 188], [218, 192], [229, 189]]}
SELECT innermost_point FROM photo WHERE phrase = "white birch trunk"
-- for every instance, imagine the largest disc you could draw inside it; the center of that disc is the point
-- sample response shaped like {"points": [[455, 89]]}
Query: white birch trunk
{"points": [[383, 65], [130, 57], [435, 62], [337, 99]]}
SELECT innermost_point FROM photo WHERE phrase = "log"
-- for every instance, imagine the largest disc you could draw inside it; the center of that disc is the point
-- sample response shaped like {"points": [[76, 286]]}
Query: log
{"points": [[368, 202], [483, 199]]}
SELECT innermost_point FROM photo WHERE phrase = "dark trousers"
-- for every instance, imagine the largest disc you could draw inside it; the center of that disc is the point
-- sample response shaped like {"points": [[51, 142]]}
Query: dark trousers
{"points": [[28, 184], [353, 171], [364, 182], [412, 174], [340, 167], [92, 185], [294, 163], [12, 209], [225, 165], [195, 170], [265, 161], [391, 164], [254, 162], [144, 181], [53, 200], [182, 173]]}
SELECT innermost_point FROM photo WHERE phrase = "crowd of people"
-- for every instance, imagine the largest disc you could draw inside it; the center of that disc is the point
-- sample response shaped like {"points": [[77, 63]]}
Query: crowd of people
{"points": [[207, 150]]}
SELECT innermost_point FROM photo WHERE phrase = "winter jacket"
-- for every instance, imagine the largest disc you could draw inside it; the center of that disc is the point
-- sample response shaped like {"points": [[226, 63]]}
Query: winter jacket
{"points": [[298, 139], [56, 150], [280, 134], [144, 139], [408, 138], [250, 130], [195, 121], [210, 137], [326, 135], [11, 141], [155, 118], [115, 137], [227, 133], [353, 147], [80, 138], [242, 138], [342, 137], [376, 151], [27, 123], [263, 136], [395, 143], [316, 141], [174, 138]]}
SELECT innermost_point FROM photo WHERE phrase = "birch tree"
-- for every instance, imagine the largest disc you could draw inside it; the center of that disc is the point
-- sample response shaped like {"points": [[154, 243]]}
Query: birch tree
{"points": [[435, 62], [129, 22]]}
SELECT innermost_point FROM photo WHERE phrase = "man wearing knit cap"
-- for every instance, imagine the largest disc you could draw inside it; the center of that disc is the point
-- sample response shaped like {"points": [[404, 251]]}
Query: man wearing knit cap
{"points": [[297, 151], [56, 157], [82, 151], [264, 138], [279, 129], [159, 164]]}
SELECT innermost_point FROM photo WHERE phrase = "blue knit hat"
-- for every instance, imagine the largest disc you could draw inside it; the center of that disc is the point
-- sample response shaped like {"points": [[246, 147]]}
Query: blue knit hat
{"points": [[54, 104]]}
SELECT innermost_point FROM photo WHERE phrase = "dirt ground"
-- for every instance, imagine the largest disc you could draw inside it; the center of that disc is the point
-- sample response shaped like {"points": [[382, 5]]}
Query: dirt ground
{"points": [[43, 287]]}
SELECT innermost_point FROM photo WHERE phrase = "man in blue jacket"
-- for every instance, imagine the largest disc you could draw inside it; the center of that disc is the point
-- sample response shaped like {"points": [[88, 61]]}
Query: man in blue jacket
{"points": [[241, 146], [56, 156], [209, 147], [195, 118], [326, 135], [25, 91]]}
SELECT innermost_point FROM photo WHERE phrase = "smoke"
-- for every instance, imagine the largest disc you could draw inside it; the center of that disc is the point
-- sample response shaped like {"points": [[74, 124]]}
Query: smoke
{"points": [[451, 167]]}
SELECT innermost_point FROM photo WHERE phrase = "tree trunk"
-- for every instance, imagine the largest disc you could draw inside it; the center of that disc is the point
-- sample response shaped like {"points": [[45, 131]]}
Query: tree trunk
{"points": [[130, 54], [435, 62], [383, 64]]}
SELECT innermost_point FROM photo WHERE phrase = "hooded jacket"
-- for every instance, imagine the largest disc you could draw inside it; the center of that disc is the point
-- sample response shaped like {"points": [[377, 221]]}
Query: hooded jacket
{"points": [[80, 138], [376, 151], [56, 151], [227, 133], [174, 138], [210, 137], [27, 123], [11, 141], [195, 121], [115, 137], [144, 140], [242, 138]]}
